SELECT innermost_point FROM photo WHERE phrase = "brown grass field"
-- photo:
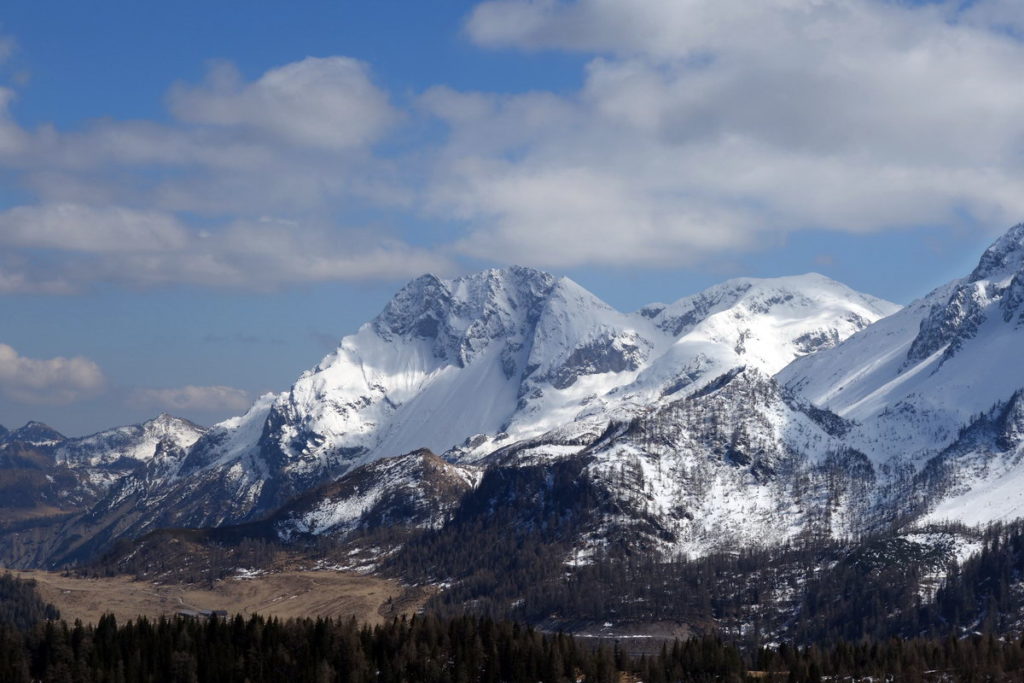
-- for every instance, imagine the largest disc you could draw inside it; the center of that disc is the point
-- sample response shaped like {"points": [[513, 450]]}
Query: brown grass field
{"points": [[284, 594]]}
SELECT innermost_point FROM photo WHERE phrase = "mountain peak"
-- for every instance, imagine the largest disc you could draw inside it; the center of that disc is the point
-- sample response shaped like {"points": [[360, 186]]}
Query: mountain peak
{"points": [[806, 283], [1004, 258], [165, 419], [493, 281], [461, 316], [760, 296], [998, 279], [36, 433], [428, 306]]}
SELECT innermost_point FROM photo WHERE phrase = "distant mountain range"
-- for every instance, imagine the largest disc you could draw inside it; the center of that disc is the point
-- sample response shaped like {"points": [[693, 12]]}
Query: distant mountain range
{"points": [[746, 415]]}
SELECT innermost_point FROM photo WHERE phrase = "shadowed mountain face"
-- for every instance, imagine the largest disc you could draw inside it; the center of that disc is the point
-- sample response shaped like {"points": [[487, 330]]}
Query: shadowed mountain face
{"points": [[43, 471], [418, 490], [46, 479], [31, 484]]}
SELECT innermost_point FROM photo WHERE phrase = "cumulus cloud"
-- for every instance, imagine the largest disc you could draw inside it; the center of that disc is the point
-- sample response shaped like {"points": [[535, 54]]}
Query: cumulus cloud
{"points": [[248, 187], [317, 102], [77, 227], [52, 381], [296, 140], [195, 398], [705, 125], [700, 127], [145, 248]]}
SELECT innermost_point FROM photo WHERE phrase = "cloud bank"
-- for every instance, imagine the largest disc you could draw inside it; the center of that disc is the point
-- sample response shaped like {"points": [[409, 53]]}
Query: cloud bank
{"points": [[52, 381], [239, 190], [192, 398], [705, 126], [700, 128]]}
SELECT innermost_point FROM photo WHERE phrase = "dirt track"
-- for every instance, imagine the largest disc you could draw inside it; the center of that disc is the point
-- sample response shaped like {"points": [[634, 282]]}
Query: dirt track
{"points": [[285, 594]]}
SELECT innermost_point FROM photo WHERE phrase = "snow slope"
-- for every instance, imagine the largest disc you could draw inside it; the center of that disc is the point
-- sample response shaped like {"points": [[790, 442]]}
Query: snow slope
{"points": [[761, 324], [913, 380], [138, 443], [934, 391]]}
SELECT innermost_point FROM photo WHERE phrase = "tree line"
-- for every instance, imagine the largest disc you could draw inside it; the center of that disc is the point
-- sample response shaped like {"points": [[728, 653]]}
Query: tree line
{"points": [[430, 649], [36, 646], [425, 649]]}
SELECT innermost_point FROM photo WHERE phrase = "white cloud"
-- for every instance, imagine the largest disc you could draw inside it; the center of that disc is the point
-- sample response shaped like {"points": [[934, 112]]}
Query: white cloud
{"points": [[299, 138], [52, 381], [573, 216], [709, 125], [142, 248], [317, 102], [77, 227], [700, 127], [248, 187], [195, 398]]}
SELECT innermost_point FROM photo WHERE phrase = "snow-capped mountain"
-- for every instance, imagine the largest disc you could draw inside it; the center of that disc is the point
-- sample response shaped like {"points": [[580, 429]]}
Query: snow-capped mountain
{"points": [[746, 415], [759, 324], [933, 366], [517, 351], [133, 444], [45, 475], [922, 385], [34, 434], [470, 365]]}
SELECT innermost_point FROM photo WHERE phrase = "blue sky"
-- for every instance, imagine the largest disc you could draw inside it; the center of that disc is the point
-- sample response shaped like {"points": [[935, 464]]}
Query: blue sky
{"points": [[198, 199]]}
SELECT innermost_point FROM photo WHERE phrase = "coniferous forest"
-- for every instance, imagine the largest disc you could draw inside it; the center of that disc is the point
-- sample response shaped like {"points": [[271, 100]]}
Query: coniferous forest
{"points": [[431, 649], [874, 606], [35, 646], [813, 591]]}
